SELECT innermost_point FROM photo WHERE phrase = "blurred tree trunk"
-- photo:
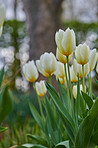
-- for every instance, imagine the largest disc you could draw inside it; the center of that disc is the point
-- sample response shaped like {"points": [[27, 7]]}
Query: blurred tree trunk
{"points": [[43, 19]]}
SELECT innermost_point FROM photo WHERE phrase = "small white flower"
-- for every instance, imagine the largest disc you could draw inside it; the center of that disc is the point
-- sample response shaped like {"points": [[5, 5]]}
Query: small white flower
{"points": [[40, 88]]}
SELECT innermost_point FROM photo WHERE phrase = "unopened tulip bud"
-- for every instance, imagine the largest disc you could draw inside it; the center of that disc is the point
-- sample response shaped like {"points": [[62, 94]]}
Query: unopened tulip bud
{"points": [[75, 90], [92, 59], [82, 54], [30, 71], [40, 88], [74, 78]]}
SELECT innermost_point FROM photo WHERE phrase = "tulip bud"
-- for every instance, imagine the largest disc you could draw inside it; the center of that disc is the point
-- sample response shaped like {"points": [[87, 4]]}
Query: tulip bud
{"points": [[92, 59], [78, 69], [65, 41], [2, 16], [74, 78], [30, 71], [40, 88], [62, 58], [82, 54], [75, 90], [47, 64]]}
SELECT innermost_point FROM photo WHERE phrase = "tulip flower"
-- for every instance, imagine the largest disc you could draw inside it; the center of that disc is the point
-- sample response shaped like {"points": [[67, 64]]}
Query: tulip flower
{"points": [[82, 53], [62, 58], [74, 78], [78, 69], [47, 64], [40, 88], [92, 59], [2, 16], [66, 42], [60, 72], [75, 90], [30, 71]]}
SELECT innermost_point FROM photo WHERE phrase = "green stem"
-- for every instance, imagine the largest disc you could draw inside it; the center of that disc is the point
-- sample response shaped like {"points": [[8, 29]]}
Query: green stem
{"points": [[83, 81], [90, 85], [49, 78], [72, 101], [39, 101], [69, 104]]}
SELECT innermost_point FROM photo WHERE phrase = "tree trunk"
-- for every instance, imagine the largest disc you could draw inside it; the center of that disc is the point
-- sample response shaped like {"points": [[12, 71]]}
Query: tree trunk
{"points": [[43, 19]]}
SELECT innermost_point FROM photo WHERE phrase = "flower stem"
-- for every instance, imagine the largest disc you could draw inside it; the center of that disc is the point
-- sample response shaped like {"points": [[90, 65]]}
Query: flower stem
{"points": [[83, 81], [90, 85], [69, 104], [39, 101], [49, 78], [72, 101]]}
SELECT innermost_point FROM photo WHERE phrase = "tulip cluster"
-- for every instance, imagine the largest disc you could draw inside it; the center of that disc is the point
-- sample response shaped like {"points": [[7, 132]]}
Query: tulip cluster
{"points": [[83, 63]]}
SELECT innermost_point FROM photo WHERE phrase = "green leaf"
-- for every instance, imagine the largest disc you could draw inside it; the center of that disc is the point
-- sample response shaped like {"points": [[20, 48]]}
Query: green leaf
{"points": [[36, 115], [31, 146], [86, 128], [1, 76], [96, 81], [64, 144], [2, 129], [38, 139], [69, 123], [63, 95], [87, 99], [6, 105], [94, 138], [52, 122], [77, 100]]}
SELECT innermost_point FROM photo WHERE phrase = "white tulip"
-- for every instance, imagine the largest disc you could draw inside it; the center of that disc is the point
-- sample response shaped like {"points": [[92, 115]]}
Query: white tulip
{"points": [[30, 71], [78, 69], [62, 58], [92, 59], [40, 88], [2, 16], [74, 78], [60, 72], [75, 90], [65, 41], [82, 54], [47, 64]]}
